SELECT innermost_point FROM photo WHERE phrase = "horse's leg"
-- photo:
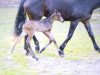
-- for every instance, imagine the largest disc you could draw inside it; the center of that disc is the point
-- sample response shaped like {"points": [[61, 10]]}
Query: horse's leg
{"points": [[30, 48], [54, 41], [37, 47], [73, 25], [32, 16], [51, 37], [45, 46], [89, 30], [18, 39], [50, 41], [26, 45]]}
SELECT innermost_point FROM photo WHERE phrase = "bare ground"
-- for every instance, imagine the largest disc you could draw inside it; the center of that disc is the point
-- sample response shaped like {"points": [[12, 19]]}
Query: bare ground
{"points": [[59, 65]]}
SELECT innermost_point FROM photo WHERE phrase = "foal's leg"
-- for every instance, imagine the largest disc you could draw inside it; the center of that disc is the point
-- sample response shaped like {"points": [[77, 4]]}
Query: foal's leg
{"points": [[26, 46], [30, 48], [73, 25], [30, 34], [37, 47], [51, 39], [89, 30], [18, 40]]}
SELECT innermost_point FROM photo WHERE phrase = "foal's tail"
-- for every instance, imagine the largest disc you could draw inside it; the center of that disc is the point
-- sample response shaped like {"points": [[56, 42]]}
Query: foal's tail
{"points": [[20, 19]]}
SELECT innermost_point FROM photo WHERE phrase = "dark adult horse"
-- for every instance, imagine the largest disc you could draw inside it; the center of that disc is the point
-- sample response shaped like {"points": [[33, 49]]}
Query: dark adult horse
{"points": [[74, 11]]}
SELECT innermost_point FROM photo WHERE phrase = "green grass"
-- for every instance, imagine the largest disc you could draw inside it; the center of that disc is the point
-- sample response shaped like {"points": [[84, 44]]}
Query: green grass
{"points": [[79, 47], [18, 71]]}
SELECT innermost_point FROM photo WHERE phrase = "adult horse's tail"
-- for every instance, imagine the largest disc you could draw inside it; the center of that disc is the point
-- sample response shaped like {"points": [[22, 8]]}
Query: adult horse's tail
{"points": [[20, 19]]}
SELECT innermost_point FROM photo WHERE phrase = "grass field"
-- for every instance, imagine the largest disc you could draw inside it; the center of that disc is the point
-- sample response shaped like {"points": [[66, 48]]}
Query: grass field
{"points": [[79, 47]]}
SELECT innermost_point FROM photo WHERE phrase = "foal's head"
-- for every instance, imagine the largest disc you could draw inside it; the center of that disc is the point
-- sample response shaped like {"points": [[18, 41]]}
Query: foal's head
{"points": [[57, 16]]}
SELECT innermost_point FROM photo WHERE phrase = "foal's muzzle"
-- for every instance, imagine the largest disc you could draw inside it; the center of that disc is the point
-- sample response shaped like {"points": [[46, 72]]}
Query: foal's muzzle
{"points": [[62, 20]]}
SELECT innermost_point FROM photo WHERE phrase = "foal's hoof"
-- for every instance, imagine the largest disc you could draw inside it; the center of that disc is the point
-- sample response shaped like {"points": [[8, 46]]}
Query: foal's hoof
{"points": [[37, 48], [61, 53], [36, 58], [42, 50]]}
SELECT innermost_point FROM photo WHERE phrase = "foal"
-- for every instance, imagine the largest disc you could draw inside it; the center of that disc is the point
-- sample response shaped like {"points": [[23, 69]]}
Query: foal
{"points": [[43, 26]]}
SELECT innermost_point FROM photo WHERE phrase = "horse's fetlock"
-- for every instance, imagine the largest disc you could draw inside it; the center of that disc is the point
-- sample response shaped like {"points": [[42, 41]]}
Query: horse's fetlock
{"points": [[61, 47]]}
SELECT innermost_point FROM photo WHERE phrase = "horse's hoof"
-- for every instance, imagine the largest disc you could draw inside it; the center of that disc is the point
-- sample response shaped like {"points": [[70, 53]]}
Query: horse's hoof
{"points": [[36, 58], [61, 53], [97, 49], [37, 48]]}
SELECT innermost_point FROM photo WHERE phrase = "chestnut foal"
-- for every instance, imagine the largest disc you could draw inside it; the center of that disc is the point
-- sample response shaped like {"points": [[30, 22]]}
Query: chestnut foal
{"points": [[43, 26]]}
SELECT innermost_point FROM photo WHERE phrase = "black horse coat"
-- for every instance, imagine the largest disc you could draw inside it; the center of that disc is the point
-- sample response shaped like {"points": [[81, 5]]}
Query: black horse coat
{"points": [[74, 11]]}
